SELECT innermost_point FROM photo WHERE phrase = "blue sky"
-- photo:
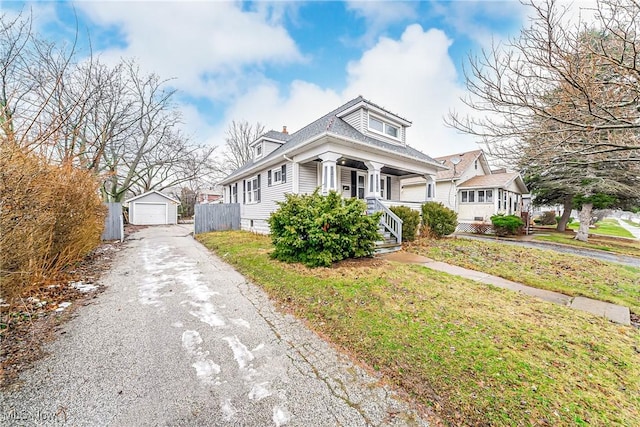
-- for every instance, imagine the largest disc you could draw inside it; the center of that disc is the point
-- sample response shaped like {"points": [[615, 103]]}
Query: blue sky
{"points": [[287, 63]]}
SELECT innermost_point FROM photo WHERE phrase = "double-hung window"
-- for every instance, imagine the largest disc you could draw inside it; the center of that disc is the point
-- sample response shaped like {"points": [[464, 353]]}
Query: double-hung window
{"points": [[253, 190]]}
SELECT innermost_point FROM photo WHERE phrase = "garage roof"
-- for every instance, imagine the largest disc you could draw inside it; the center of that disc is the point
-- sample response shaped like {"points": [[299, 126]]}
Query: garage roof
{"points": [[151, 192]]}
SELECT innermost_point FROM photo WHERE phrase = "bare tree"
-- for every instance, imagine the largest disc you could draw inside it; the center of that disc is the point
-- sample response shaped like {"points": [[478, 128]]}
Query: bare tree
{"points": [[239, 136], [564, 101]]}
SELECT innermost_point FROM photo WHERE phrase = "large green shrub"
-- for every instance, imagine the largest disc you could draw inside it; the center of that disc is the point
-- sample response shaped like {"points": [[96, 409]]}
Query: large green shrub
{"points": [[439, 220], [318, 230], [505, 225], [410, 221]]}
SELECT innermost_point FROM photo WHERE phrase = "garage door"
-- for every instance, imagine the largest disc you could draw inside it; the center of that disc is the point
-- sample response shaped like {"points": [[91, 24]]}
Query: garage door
{"points": [[150, 213]]}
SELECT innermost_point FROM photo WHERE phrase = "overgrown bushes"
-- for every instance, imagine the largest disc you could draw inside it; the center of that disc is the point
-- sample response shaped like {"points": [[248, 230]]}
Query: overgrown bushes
{"points": [[548, 218], [318, 230], [410, 221], [50, 217], [505, 225], [438, 220]]}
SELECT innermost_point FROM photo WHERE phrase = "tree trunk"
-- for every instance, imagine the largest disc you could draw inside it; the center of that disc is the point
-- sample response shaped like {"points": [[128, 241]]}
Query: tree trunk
{"points": [[585, 221], [566, 214]]}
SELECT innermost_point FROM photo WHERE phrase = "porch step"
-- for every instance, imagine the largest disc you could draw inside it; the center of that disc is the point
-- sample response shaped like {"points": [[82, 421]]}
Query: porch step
{"points": [[387, 247]]}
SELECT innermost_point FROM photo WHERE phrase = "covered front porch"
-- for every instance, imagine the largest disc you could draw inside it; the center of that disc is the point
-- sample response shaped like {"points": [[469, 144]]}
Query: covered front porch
{"points": [[376, 182]]}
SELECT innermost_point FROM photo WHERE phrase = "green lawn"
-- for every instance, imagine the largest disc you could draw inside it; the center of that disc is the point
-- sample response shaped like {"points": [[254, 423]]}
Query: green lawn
{"points": [[603, 243], [476, 354], [544, 269], [606, 227]]}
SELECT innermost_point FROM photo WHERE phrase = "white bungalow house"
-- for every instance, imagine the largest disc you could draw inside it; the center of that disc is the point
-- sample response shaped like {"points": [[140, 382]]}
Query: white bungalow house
{"points": [[359, 149], [471, 188]]}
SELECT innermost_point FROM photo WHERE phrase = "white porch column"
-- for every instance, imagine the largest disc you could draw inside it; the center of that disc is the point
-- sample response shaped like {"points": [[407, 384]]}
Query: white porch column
{"points": [[430, 188], [329, 172], [373, 179]]}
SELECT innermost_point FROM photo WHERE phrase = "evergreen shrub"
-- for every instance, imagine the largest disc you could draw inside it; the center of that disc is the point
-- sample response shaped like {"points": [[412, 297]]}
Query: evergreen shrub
{"points": [[410, 221], [506, 225], [438, 220], [319, 230]]}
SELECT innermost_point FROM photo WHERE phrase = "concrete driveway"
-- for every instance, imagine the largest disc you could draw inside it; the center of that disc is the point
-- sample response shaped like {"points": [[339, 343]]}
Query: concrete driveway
{"points": [[180, 338]]}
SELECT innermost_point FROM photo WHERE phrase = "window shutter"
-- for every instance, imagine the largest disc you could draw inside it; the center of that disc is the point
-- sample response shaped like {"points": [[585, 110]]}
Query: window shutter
{"points": [[284, 173], [258, 187], [388, 188], [244, 191], [354, 184], [269, 178]]}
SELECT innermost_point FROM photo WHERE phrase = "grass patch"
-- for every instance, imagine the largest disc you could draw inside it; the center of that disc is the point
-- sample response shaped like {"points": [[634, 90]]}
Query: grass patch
{"points": [[477, 354], [543, 269], [606, 227], [603, 243]]}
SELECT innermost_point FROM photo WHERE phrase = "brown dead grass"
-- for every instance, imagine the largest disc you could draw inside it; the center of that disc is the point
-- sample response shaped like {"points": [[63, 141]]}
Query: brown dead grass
{"points": [[26, 326]]}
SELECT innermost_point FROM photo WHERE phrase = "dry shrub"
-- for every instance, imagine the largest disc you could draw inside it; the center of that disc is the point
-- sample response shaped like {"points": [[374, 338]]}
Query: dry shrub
{"points": [[51, 216], [481, 228]]}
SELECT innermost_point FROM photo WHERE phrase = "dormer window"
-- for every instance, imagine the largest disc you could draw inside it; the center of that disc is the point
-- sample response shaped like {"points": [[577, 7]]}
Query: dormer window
{"points": [[258, 149], [383, 127]]}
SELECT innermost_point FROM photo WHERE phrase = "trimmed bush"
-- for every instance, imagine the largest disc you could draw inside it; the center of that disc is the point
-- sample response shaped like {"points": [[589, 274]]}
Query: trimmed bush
{"points": [[438, 220], [548, 218], [410, 221], [319, 230], [505, 225]]}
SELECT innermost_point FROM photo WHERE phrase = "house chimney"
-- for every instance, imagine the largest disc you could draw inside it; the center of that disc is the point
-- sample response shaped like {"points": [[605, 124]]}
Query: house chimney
{"points": [[284, 130]]}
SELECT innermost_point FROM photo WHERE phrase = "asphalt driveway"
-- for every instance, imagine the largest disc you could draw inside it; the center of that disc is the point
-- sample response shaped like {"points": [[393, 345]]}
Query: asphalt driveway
{"points": [[180, 338]]}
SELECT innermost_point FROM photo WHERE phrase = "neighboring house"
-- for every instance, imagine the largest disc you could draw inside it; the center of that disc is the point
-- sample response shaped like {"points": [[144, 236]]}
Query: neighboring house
{"points": [[209, 195], [359, 149], [471, 188], [153, 208]]}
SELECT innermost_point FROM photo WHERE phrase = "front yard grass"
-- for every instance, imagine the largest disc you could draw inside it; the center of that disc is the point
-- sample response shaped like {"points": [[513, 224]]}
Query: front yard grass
{"points": [[477, 354], [606, 227], [603, 243], [543, 269]]}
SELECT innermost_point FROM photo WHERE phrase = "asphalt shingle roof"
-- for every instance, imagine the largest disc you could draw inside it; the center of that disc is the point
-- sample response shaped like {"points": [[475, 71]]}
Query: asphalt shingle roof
{"points": [[466, 160], [331, 123], [493, 180]]}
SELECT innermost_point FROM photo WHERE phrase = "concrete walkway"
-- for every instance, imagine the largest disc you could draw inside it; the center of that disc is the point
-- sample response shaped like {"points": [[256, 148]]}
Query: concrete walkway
{"points": [[630, 228], [615, 313]]}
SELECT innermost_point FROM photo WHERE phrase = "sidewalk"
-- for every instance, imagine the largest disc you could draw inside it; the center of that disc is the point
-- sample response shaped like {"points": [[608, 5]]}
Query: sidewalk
{"points": [[615, 313], [630, 228]]}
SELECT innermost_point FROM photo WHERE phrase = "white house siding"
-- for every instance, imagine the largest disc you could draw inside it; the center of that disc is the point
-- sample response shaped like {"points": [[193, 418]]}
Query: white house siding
{"points": [[356, 119], [307, 178], [467, 212], [446, 194], [268, 147], [253, 216]]}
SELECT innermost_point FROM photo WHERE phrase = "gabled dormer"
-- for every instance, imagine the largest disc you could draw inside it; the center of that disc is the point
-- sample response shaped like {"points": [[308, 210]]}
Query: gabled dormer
{"points": [[268, 143], [376, 122]]}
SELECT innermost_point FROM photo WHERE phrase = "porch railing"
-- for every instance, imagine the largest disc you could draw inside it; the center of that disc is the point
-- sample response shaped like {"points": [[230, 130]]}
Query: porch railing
{"points": [[388, 220]]}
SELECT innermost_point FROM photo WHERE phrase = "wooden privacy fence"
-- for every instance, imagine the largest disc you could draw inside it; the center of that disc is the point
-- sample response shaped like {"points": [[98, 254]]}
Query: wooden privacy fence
{"points": [[216, 217], [114, 223]]}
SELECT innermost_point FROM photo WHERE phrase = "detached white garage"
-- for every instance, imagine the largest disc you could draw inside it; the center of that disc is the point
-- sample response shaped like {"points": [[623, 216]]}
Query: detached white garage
{"points": [[153, 208]]}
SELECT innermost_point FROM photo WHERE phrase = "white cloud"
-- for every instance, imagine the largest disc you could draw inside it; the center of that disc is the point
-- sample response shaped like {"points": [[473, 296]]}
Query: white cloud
{"points": [[380, 14], [413, 77], [198, 43]]}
